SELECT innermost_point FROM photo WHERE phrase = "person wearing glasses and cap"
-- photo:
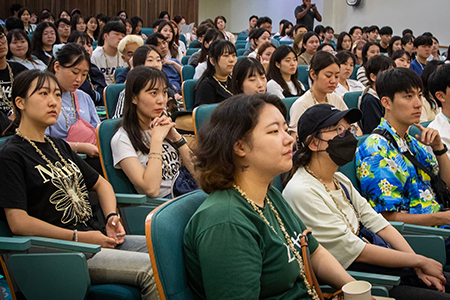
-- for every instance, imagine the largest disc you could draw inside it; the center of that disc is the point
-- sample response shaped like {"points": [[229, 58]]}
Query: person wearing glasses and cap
{"points": [[336, 213]]}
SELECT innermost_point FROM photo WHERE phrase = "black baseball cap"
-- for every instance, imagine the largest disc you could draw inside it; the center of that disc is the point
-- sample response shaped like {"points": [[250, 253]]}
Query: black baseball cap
{"points": [[321, 116]]}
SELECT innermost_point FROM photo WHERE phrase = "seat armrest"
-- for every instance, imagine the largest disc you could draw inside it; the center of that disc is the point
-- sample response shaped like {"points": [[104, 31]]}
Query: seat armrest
{"points": [[14, 243], [130, 198], [418, 229], [400, 226], [62, 244], [376, 278]]}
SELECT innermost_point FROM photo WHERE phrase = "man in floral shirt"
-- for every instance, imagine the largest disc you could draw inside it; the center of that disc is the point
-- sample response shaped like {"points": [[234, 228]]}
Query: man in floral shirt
{"points": [[388, 179]]}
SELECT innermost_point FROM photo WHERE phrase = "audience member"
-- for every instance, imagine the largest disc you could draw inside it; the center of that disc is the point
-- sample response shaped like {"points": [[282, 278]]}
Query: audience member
{"points": [[95, 81], [251, 25], [320, 30], [283, 74], [171, 67], [329, 36], [327, 48], [266, 51], [257, 38], [369, 102], [221, 23], [408, 45], [324, 75], [357, 51], [423, 45], [198, 59], [78, 23], [334, 210], [265, 23], [51, 184], [249, 77], [8, 71], [20, 50], [126, 47], [44, 38], [310, 44], [356, 33], [24, 14], [430, 107], [215, 83], [435, 55], [389, 181], [347, 62], [147, 146], [92, 27], [344, 42], [372, 33], [137, 24], [47, 17], [439, 89], [63, 29], [369, 50], [166, 29], [385, 38], [394, 44], [64, 14], [229, 231], [401, 58], [107, 57]]}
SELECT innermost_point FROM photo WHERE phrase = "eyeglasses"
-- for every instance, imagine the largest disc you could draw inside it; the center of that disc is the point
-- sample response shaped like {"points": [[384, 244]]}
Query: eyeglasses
{"points": [[2, 37], [341, 130]]}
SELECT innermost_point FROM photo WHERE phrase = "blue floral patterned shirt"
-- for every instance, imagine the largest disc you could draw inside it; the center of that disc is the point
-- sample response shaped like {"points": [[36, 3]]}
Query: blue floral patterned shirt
{"points": [[390, 181]]}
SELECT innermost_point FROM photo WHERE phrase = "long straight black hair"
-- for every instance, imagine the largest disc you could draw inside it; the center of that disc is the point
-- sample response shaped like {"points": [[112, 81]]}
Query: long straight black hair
{"points": [[36, 41], [137, 80], [274, 73], [211, 35]]}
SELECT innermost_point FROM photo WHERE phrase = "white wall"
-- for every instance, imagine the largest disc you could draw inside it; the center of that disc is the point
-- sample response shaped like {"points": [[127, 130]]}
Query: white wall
{"points": [[237, 12], [418, 15]]}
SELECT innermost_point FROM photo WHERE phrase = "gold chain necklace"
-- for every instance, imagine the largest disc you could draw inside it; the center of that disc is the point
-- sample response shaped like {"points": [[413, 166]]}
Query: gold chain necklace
{"points": [[11, 79], [80, 204], [107, 65], [315, 100], [311, 290], [222, 86], [74, 111], [338, 186]]}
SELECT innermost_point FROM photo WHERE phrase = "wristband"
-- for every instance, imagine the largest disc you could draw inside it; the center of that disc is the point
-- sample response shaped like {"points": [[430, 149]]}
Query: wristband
{"points": [[180, 142], [440, 152], [110, 215], [75, 235]]}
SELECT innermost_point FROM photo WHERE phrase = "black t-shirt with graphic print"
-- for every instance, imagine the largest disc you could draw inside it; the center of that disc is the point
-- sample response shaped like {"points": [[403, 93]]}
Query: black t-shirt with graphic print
{"points": [[28, 183], [5, 83]]}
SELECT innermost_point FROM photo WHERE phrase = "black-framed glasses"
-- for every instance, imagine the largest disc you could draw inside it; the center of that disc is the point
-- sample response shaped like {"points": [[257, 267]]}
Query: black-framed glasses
{"points": [[341, 130]]}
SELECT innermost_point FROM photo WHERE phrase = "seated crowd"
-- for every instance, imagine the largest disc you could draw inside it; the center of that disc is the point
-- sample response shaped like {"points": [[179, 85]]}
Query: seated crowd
{"points": [[53, 75]]}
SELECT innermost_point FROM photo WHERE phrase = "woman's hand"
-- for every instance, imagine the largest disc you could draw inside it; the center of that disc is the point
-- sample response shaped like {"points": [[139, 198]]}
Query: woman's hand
{"points": [[431, 280], [160, 127], [432, 268], [96, 237], [115, 230]]}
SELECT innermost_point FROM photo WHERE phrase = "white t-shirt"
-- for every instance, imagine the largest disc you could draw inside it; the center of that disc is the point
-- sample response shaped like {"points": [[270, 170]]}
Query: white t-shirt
{"points": [[442, 125], [30, 65], [107, 64], [353, 85], [306, 101], [315, 207], [199, 69], [122, 148], [275, 89]]}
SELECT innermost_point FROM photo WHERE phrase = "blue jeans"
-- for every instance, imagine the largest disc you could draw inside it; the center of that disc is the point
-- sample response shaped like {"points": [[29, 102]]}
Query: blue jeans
{"points": [[128, 264]]}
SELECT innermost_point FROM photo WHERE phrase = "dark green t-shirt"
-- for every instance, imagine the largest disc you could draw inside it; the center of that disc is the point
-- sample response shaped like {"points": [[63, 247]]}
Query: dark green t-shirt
{"points": [[231, 253]]}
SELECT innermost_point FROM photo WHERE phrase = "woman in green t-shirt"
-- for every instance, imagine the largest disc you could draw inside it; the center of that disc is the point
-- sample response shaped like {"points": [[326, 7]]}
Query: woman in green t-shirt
{"points": [[235, 244]]}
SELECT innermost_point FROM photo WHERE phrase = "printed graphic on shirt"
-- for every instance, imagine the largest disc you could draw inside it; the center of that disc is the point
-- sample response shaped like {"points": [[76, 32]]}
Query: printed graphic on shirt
{"points": [[71, 196], [5, 106], [296, 242], [171, 162]]}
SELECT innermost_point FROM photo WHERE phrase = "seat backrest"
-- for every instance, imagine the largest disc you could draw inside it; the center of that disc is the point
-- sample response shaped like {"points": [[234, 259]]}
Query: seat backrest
{"points": [[147, 31], [191, 51], [183, 38], [355, 70], [111, 95], [164, 230], [349, 169], [287, 43], [351, 99], [303, 75], [187, 90], [116, 177], [413, 130], [240, 46], [288, 102], [118, 71], [187, 72], [185, 60], [242, 37], [240, 52], [201, 115], [94, 45]]}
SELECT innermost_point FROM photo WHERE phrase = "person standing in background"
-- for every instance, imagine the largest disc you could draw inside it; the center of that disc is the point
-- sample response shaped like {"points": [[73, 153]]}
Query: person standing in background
{"points": [[306, 13]]}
